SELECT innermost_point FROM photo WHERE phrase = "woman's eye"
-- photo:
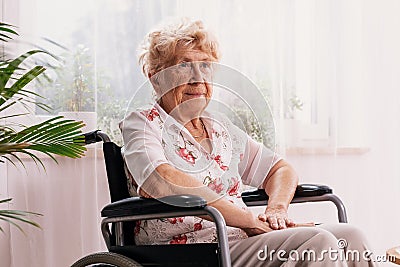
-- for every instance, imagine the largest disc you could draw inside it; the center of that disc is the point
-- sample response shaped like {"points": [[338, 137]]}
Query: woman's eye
{"points": [[205, 65], [184, 65]]}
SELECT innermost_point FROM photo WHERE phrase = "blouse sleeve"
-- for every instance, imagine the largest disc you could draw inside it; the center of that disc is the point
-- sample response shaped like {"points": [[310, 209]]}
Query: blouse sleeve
{"points": [[143, 151], [256, 163]]}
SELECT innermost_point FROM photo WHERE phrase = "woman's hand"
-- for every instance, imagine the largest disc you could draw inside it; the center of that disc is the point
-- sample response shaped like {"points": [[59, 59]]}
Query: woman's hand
{"points": [[280, 185], [257, 227], [276, 217]]}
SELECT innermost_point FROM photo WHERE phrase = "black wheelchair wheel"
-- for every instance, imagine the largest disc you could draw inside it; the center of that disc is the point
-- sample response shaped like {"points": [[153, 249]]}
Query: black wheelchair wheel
{"points": [[105, 259]]}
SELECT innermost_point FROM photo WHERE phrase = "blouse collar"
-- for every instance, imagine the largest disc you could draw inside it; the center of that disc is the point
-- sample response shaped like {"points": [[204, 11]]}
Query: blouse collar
{"points": [[172, 126]]}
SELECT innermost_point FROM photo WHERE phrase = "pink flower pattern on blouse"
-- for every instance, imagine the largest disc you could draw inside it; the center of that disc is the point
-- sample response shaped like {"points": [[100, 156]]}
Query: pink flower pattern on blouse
{"points": [[233, 190], [179, 239], [175, 220], [151, 114], [186, 155], [217, 159], [198, 226], [214, 184]]}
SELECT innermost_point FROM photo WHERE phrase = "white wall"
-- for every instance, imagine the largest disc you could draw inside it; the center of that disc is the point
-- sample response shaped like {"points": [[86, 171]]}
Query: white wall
{"points": [[369, 183]]}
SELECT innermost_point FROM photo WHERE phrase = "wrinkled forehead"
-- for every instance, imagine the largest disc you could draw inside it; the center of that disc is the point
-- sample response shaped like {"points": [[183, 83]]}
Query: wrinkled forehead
{"points": [[192, 55]]}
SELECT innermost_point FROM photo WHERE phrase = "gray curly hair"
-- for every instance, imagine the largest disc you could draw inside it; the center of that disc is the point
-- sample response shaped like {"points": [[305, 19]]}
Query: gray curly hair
{"points": [[161, 47]]}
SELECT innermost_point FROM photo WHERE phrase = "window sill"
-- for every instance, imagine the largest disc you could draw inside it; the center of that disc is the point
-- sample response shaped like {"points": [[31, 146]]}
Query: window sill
{"points": [[327, 150]]}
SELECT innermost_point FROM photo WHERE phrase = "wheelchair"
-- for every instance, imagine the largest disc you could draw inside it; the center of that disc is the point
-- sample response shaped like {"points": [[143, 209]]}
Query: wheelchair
{"points": [[120, 215]]}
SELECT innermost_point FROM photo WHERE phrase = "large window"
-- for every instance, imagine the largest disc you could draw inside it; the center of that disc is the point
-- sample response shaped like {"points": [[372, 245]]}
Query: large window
{"points": [[291, 50]]}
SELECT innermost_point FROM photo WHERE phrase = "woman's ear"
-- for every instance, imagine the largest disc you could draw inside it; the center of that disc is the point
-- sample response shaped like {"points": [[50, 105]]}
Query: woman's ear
{"points": [[155, 82]]}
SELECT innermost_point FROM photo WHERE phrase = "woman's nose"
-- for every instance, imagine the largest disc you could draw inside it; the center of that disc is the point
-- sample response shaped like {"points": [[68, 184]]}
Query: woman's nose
{"points": [[196, 73]]}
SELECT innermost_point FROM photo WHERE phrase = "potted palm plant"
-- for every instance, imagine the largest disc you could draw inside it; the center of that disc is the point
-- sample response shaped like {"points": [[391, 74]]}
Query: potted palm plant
{"points": [[55, 136]]}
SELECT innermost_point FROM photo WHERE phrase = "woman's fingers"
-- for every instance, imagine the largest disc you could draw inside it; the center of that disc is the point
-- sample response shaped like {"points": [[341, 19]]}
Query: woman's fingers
{"points": [[281, 223], [276, 220], [262, 217], [261, 226], [289, 222], [273, 222]]}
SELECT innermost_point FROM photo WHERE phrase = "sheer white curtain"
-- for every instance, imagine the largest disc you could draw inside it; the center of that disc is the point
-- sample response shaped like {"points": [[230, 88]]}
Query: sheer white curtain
{"points": [[352, 57], [328, 68]]}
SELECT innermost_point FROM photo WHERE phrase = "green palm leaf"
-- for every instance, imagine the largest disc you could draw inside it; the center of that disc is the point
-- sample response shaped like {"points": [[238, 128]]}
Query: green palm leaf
{"points": [[5, 30], [7, 72], [54, 136], [15, 216]]}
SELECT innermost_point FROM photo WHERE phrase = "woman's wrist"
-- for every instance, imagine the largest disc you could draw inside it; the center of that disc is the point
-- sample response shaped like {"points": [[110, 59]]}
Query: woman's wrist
{"points": [[250, 220], [256, 227], [278, 205]]}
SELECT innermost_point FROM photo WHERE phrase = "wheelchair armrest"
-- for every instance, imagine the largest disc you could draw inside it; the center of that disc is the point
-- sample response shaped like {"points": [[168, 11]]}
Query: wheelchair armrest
{"points": [[302, 190], [142, 206]]}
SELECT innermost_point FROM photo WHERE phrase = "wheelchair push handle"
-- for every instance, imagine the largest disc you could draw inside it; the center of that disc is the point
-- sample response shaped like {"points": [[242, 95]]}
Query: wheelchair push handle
{"points": [[96, 136]]}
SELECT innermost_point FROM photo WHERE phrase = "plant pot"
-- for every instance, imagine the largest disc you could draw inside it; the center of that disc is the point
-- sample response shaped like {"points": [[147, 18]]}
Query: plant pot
{"points": [[89, 118]]}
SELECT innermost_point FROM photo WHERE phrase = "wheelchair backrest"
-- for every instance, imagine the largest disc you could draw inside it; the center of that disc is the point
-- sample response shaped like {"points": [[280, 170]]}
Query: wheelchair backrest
{"points": [[117, 180]]}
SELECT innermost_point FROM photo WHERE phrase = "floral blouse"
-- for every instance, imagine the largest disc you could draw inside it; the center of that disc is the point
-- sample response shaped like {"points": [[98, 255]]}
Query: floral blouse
{"points": [[152, 137]]}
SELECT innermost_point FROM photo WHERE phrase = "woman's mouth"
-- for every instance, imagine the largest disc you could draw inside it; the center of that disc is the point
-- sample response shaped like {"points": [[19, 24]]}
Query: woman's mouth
{"points": [[194, 95]]}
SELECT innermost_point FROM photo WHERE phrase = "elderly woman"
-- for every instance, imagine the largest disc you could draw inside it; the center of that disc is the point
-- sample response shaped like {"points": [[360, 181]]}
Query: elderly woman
{"points": [[178, 147]]}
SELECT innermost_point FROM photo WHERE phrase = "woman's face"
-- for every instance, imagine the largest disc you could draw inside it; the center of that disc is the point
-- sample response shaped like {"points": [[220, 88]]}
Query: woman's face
{"points": [[185, 88]]}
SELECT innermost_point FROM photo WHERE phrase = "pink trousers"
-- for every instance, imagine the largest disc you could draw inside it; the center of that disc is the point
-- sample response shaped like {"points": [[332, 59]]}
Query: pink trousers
{"points": [[325, 245]]}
